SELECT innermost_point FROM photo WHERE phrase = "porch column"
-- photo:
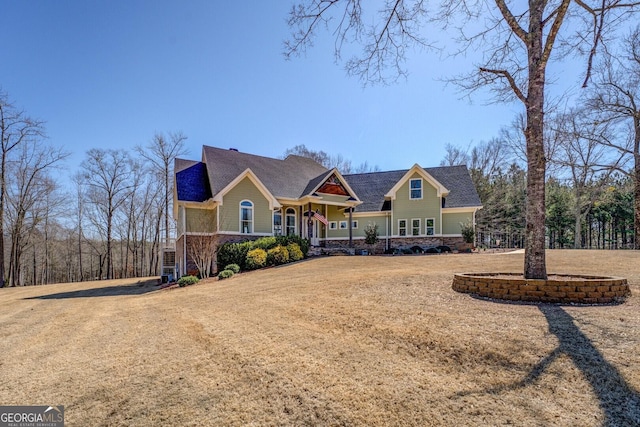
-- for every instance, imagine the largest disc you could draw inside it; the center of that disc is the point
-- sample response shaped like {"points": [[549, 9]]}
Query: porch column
{"points": [[309, 224], [350, 227]]}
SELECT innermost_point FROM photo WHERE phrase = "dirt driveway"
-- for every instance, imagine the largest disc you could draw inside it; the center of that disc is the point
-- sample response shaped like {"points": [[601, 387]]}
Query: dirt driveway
{"points": [[331, 341]]}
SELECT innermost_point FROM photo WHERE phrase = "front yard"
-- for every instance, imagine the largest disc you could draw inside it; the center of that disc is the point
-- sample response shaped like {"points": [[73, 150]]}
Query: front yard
{"points": [[362, 340]]}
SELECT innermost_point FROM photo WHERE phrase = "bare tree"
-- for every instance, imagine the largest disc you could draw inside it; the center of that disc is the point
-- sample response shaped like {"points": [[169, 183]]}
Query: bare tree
{"points": [[518, 42], [107, 174], [455, 155], [331, 161], [15, 129], [27, 195], [616, 96], [162, 152]]}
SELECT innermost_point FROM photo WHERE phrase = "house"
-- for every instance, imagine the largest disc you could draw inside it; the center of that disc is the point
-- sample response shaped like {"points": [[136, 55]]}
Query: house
{"points": [[233, 196]]}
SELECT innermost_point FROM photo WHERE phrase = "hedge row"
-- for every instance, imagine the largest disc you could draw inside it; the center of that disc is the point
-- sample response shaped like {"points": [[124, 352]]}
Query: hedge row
{"points": [[237, 253]]}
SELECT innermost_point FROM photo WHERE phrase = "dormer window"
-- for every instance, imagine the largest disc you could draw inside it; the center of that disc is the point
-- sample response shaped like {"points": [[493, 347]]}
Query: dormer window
{"points": [[415, 186]]}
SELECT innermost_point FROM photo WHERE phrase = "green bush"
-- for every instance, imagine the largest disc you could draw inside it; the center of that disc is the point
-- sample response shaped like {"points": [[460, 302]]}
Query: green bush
{"points": [[295, 253], [187, 280], [277, 256], [233, 253], [265, 243], [225, 274], [256, 258], [302, 243], [233, 267]]}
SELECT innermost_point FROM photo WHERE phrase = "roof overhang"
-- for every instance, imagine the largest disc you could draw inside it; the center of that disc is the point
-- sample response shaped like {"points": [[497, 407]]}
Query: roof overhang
{"points": [[248, 173]]}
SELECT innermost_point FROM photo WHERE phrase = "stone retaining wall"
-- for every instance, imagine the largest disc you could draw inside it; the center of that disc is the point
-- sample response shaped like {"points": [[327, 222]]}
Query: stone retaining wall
{"points": [[573, 289]]}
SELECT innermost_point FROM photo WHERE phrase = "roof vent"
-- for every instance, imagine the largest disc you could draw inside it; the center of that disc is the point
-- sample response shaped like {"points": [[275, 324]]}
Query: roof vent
{"points": [[233, 149]]}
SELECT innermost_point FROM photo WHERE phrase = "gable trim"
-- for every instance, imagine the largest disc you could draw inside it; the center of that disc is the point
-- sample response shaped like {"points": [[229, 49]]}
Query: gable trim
{"points": [[441, 190], [342, 180], [248, 173]]}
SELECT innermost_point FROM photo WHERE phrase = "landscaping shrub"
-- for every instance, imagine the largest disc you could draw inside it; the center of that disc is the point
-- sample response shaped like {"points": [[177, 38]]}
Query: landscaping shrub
{"points": [[302, 243], [233, 253], [295, 253], [256, 258], [265, 243], [233, 267], [187, 280], [277, 256], [225, 274]]}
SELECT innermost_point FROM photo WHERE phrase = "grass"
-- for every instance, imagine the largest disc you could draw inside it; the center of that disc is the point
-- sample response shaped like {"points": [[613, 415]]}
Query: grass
{"points": [[331, 341]]}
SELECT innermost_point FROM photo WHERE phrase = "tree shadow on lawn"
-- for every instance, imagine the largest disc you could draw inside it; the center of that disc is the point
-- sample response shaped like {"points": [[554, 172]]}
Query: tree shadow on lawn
{"points": [[619, 401], [107, 291]]}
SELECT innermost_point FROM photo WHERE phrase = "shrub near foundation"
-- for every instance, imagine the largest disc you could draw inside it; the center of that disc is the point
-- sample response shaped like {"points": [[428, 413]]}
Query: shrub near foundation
{"points": [[295, 253], [278, 256], [233, 267], [256, 258]]}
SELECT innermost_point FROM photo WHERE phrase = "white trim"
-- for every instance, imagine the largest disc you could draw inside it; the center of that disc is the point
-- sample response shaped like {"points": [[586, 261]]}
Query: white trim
{"points": [[441, 190], [426, 233], [342, 180], [405, 227], [295, 221], [248, 173], [419, 227], [251, 221], [411, 189], [236, 233], [470, 209]]}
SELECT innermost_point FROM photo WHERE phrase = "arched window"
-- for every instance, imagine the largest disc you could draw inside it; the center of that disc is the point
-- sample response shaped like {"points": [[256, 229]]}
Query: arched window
{"points": [[246, 217], [291, 221], [277, 222]]}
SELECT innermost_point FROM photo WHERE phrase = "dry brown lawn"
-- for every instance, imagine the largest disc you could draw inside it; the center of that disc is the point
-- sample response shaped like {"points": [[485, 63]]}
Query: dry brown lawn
{"points": [[330, 341]]}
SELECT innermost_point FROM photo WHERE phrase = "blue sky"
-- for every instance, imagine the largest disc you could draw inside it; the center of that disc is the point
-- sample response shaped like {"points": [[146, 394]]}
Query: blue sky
{"points": [[109, 74]]}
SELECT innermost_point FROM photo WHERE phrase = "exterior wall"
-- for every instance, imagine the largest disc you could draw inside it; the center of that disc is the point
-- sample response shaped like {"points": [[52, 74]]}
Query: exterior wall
{"points": [[427, 207], [201, 220], [451, 221], [230, 209], [396, 242], [343, 233]]}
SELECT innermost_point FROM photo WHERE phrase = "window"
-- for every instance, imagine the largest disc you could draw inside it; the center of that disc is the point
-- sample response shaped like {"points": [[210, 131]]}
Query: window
{"points": [[415, 227], [333, 225], [277, 222], [343, 225], [354, 224], [246, 217], [402, 227], [430, 225], [415, 189], [290, 217]]}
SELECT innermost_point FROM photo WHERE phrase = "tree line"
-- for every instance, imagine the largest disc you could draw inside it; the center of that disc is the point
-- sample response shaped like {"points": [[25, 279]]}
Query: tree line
{"points": [[592, 150], [110, 224]]}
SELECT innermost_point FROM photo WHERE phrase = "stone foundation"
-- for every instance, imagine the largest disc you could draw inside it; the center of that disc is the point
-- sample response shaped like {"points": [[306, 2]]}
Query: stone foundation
{"points": [[560, 288]]}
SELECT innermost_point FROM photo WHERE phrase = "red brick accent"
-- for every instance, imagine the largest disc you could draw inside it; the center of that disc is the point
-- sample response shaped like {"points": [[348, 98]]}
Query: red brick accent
{"points": [[569, 289]]}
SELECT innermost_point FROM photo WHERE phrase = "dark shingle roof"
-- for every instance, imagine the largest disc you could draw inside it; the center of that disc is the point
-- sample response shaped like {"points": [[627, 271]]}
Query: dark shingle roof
{"points": [[296, 176], [371, 187], [192, 184], [283, 178]]}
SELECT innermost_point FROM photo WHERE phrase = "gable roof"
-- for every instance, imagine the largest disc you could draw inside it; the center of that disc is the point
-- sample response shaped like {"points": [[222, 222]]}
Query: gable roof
{"points": [[372, 187], [286, 178], [296, 177]]}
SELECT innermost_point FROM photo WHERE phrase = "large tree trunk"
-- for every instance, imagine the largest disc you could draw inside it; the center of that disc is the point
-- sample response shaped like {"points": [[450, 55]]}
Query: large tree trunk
{"points": [[534, 258], [636, 185]]}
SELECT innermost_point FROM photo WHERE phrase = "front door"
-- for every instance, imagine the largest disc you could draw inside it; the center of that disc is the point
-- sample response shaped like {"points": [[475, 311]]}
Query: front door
{"points": [[314, 236]]}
